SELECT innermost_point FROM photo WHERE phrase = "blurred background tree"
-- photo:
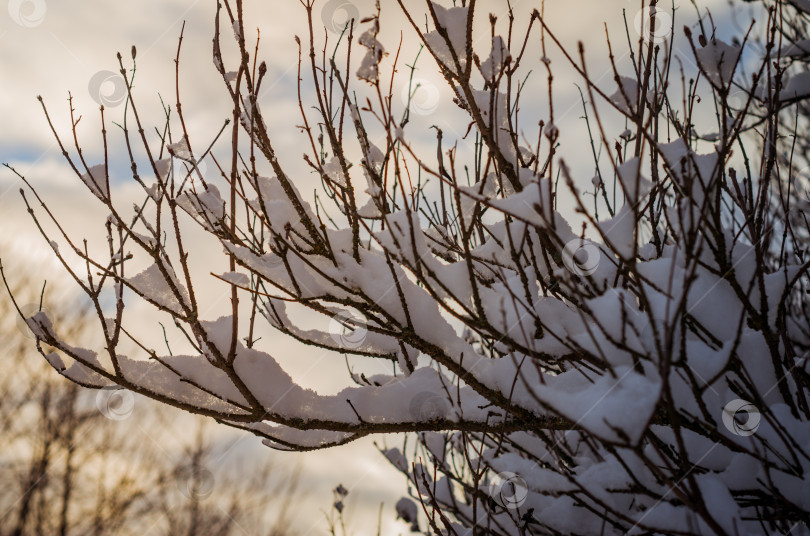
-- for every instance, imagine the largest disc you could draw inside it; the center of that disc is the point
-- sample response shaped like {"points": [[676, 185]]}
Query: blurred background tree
{"points": [[77, 462]]}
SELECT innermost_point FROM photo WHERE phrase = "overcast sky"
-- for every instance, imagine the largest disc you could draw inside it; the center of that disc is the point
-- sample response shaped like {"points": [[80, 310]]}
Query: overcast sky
{"points": [[50, 47]]}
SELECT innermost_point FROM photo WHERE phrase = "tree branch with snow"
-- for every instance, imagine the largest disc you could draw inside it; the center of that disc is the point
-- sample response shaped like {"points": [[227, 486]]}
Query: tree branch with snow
{"points": [[565, 373]]}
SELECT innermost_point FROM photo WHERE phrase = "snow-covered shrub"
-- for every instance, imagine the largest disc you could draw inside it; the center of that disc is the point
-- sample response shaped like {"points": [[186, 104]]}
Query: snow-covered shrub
{"points": [[625, 354]]}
